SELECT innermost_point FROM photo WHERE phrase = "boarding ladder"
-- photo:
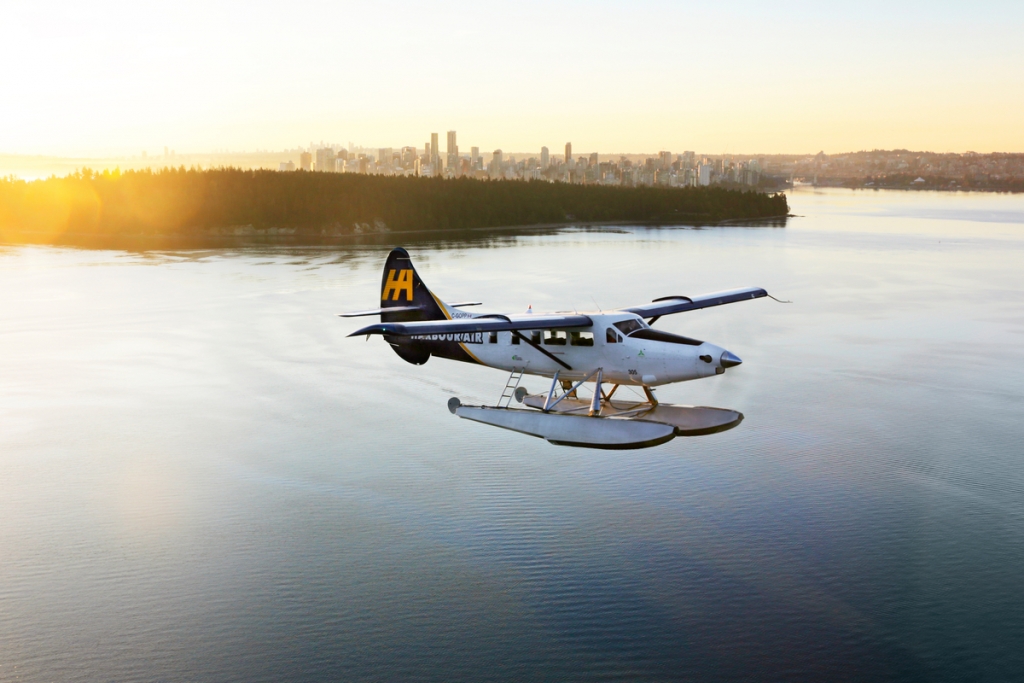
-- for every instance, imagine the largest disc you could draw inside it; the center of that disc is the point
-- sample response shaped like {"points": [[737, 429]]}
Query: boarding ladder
{"points": [[510, 388]]}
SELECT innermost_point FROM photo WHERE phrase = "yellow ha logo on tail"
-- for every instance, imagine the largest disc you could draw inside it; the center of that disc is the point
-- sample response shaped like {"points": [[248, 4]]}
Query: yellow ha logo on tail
{"points": [[398, 281]]}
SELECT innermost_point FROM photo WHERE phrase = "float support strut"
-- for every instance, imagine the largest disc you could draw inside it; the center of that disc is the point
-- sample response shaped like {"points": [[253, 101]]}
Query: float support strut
{"points": [[549, 404], [595, 403], [551, 392]]}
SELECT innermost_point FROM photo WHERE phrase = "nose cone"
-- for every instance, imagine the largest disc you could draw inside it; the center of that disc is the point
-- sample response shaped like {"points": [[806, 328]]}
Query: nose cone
{"points": [[729, 359]]}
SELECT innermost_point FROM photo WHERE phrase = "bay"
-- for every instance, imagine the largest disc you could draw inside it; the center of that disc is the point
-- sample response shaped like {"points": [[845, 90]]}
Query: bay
{"points": [[203, 478]]}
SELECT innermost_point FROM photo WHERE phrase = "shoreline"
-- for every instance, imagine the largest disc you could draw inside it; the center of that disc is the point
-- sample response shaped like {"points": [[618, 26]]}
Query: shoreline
{"points": [[903, 188], [290, 237]]}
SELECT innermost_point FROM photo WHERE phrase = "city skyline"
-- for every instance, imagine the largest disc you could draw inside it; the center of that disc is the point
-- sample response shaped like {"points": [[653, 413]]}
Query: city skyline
{"points": [[898, 168], [114, 78]]}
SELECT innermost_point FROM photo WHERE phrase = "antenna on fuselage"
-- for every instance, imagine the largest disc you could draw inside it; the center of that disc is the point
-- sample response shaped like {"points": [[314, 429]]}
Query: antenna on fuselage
{"points": [[595, 303]]}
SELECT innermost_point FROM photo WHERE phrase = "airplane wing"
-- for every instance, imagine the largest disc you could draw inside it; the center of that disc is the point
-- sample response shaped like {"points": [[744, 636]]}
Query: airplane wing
{"points": [[679, 304], [483, 323]]}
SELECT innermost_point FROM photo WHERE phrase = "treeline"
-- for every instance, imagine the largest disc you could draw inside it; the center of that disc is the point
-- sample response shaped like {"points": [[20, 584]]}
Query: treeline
{"points": [[194, 203]]}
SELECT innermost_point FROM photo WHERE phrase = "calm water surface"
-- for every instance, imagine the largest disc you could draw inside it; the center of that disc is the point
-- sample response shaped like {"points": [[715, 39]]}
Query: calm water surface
{"points": [[203, 479]]}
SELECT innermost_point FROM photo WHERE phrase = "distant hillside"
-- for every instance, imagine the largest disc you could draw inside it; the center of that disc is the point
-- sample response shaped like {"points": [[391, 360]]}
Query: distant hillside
{"points": [[308, 206]]}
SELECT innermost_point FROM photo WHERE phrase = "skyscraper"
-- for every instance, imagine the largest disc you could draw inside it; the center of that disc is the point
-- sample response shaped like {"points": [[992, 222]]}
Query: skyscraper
{"points": [[453, 152], [568, 152], [435, 154], [704, 175], [474, 157], [545, 158], [497, 159], [325, 157]]}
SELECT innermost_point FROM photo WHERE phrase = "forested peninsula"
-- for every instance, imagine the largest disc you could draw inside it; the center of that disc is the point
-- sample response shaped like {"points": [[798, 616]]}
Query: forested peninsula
{"points": [[309, 207]]}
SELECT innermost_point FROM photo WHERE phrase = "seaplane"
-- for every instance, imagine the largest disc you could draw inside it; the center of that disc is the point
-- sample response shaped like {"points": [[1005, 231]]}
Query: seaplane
{"points": [[595, 353]]}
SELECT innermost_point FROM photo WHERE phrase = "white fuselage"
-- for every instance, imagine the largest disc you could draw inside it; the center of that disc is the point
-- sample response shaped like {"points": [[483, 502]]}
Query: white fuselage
{"points": [[622, 354]]}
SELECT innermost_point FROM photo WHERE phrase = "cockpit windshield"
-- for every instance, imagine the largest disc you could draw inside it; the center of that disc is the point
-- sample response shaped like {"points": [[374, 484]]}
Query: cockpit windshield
{"points": [[629, 326]]}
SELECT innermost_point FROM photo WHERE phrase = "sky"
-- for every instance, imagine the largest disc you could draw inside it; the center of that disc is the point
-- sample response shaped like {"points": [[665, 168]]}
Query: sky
{"points": [[112, 77]]}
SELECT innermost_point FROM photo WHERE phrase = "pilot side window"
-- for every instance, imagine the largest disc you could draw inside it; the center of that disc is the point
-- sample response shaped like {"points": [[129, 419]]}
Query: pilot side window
{"points": [[629, 326], [610, 337], [555, 338], [581, 339]]}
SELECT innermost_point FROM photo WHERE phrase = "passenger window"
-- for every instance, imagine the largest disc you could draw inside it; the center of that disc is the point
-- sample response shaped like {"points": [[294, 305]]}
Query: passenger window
{"points": [[581, 338], [494, 338], [535, 337], [555, 338], [515, 338], [610, 337]]}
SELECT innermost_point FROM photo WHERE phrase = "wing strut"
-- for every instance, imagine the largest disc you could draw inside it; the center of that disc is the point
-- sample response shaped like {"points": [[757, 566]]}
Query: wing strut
{"points": [[544, 351]]}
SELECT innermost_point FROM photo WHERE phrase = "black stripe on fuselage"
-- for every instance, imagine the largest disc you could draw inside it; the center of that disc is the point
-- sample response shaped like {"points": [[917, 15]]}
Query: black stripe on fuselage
{"points": [[452, 350], [658, 335]]}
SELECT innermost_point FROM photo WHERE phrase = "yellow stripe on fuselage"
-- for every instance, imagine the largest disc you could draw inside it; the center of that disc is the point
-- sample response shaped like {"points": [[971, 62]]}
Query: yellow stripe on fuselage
{"points": [[444, 310]]}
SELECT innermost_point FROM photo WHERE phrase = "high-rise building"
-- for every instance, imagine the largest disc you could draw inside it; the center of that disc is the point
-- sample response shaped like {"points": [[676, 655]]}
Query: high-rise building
{"points": [[704, 175], [666, 160], [305, 161], [496, 163], [568, 152], [453, 152], [435, 154], [593, 160], [474, 157], [545, 158], [325, 157]]}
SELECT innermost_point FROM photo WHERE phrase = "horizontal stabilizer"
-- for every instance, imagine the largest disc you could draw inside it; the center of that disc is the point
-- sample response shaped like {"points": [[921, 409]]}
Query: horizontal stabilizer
{"points": [[679, 304], [378, 311], [484, 323]]}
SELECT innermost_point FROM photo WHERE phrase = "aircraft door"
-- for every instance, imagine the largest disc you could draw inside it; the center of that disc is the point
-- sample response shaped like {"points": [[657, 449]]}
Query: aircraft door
{"points": [[619, 351]]}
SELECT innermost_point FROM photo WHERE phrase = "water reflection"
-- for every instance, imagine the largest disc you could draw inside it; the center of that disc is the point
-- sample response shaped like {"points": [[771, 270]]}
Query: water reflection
{"points": [[477, 237]]}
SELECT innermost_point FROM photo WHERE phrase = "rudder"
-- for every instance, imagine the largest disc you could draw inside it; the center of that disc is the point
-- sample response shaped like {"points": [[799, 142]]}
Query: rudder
{"points": [[401, 287]]}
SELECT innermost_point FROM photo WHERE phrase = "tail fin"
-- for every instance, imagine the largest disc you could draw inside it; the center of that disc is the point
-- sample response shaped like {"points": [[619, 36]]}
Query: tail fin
{"points": [[401, 287]]}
